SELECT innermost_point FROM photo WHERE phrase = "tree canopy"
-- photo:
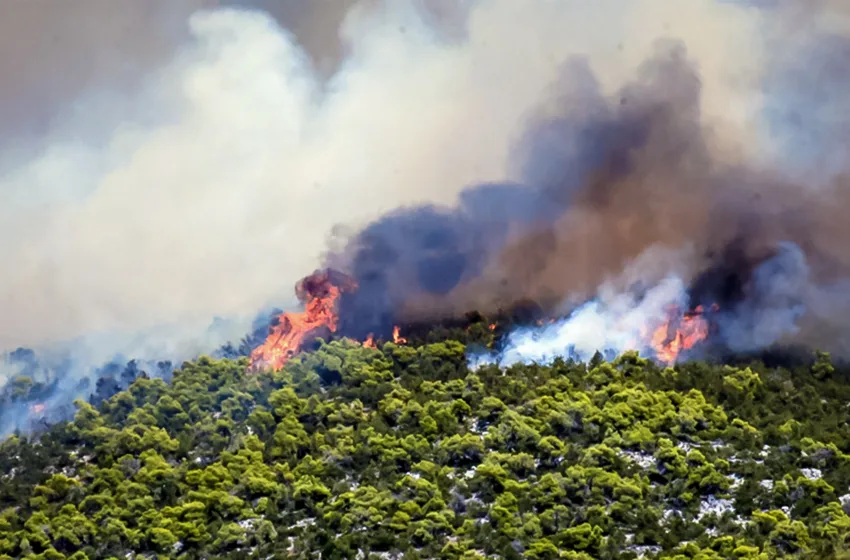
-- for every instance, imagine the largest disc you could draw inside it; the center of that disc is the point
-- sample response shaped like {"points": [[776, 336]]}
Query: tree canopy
{"points": [[404, 452]]}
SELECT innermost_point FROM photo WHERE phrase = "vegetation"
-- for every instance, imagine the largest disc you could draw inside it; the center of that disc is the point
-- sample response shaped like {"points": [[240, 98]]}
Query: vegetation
{"points": [[403, 452]]}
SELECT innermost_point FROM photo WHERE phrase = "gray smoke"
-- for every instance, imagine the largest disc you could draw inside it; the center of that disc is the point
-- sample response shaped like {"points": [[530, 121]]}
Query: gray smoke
{"points": [[775, 305]]}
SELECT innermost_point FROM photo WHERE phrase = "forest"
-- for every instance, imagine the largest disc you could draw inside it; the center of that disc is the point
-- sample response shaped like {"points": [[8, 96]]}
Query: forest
{"points": [[404, 451]]}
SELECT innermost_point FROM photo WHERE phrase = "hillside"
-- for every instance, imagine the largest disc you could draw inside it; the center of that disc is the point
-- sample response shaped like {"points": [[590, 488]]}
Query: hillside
{"points": [[401, 451]]}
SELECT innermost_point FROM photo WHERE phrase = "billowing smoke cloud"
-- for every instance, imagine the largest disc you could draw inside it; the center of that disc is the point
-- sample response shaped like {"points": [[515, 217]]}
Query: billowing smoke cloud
{"points": [[609, 172], [54, 53], [167, 171], [224, 176], [231, 161], [762, 307], [227, 169], [774, 306]]}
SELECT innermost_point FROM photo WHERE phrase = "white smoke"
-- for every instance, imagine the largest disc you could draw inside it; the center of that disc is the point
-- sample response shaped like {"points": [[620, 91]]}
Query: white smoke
{"points": [[610, 325], [622, 316]]}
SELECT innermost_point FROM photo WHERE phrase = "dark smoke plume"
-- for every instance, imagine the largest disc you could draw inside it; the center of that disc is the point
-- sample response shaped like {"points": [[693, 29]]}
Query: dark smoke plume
{"points": [[607, 179]]}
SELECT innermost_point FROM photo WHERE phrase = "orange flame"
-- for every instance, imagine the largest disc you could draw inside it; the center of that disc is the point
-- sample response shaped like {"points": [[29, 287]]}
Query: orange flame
{"points": [[681, 331], [320, 293], [37, 408], [492, 326], [397, 338], [370, 341]]}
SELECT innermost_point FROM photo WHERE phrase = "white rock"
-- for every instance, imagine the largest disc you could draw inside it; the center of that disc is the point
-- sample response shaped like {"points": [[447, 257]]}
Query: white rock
{"points": [[812, 474], [716, 506]]}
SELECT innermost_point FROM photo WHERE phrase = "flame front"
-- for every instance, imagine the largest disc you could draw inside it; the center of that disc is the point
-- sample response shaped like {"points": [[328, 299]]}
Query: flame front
{"points": [[320, 293], [680, 332]]}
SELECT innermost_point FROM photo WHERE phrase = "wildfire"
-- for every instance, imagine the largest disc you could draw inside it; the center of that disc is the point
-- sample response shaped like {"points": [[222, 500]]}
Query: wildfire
{"points": [[681, 331], [397, 338], [320, 293], [37, 408]]}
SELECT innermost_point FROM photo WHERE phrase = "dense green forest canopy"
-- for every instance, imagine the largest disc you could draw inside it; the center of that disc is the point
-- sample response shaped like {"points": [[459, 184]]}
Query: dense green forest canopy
{"points": [[402, 451]]}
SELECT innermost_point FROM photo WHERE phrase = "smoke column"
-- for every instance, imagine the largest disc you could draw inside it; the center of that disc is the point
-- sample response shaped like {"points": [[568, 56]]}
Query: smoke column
{"points": [[676, 154]]}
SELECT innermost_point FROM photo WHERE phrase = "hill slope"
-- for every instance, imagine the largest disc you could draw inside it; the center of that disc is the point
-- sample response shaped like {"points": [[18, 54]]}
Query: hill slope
{"points": [[402, 452]]}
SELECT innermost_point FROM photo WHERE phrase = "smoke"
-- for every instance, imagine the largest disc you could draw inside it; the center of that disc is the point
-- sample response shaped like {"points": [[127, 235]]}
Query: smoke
{"points": [[602, 180], [762, 306], [202, 176], [226, 168], [52, 55], [619, 318], [659, 160], [611, 324], [776, 304]]}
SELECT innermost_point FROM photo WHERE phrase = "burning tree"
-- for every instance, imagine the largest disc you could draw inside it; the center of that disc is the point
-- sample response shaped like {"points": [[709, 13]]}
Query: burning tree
{"points": [[681, 331], [320, 293]]}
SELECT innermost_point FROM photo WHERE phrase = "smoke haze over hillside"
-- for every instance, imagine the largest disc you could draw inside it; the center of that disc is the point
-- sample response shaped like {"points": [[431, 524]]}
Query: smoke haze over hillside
{"points": [[178, 164]]}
